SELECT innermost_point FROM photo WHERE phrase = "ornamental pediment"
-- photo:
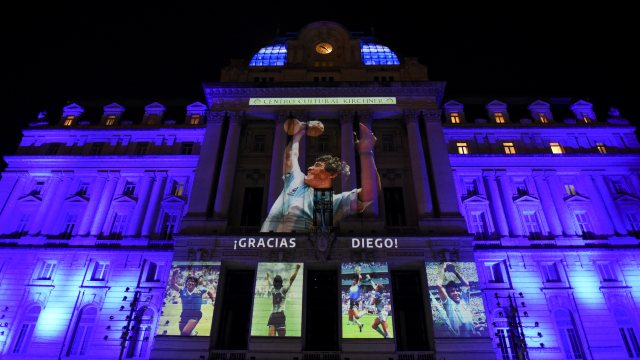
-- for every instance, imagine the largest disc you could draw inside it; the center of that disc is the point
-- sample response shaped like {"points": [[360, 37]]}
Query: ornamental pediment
{"points": [[30, 198], [627, 198], [577, 198], [475, 199], [77, 199], [125, 199], [172, 199], [526, 199]]}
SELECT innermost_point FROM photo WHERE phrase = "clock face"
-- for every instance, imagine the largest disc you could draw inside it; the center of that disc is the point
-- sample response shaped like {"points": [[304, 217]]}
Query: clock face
{"points": [[324, 48]]}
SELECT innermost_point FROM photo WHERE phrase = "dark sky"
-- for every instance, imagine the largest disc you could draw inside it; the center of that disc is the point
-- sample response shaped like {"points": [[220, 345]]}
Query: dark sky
{"points": [[105, 53]]}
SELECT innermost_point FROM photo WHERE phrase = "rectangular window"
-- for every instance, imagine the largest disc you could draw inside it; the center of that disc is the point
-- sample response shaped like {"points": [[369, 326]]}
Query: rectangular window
{"points": [[129, 188], [388, 144], [601, 148], [618, 186], [543, 118], [584, 223], [394, 207], [576, 344], [168, 226], [496, 273], [47, 269], [37, 188], [607, 271], [532, 225], [111, 120], [118, 226], [520, 186], [100, 271], [550, 272], [154, 272], [509, 148], [23, 224], [586, 118], [471, 187], [83, 188], [96, 148], [499, 118], [251, 206], [478, 224], [53, 148], [258, 143], [178, 188], [68, 121], [455, 117], [463, 148], [634, 222], [187, 148], [556, 148], [569, 189], [323, 143], [194, 119], [69, 225], [141, 148]]}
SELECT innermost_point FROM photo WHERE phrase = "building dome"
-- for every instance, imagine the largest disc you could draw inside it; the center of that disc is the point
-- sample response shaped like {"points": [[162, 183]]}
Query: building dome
{"points": [[271, 55], [375, 54]]}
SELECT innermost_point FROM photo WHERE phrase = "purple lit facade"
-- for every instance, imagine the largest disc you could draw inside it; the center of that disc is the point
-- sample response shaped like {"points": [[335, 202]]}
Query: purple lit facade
{"points": [[543, 196]]}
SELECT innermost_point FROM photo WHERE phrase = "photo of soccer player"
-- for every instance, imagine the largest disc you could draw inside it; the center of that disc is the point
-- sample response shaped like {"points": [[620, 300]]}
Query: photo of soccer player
{"points": [[277, 302], [366, 301], [189, 299], [456, 299]]}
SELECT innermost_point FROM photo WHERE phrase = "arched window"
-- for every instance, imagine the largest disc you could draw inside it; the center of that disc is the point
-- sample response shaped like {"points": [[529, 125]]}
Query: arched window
{"points": [[83, 331], [26, 329], [140, 334], [628, 332], [569, 335]]}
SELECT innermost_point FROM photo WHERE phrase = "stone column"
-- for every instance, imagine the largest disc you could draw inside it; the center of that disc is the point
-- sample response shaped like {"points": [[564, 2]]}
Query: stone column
{"points": [[277, 159], [440, 166], [53, 208], [154, 203], [14, 187], [548, 207], [347, 149], [507, 202], [605, 196], [94, 200], [495, 203], [41, 215], [373, 209], [206, 172], [228, 169], [555, 188], [144, 192], [421, 184], [104, 205]]}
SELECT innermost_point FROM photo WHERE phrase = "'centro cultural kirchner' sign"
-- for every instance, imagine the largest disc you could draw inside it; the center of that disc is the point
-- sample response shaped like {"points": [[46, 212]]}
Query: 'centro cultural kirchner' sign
{"points": [[324, 101]]}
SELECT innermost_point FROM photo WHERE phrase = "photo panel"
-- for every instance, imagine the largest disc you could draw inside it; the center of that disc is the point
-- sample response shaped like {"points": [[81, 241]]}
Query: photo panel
{"points": [[456, 299], [189, 299], [366, 300], [277, 300]]}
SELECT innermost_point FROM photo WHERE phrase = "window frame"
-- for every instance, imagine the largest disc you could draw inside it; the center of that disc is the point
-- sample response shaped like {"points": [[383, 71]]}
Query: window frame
{"points": [[161, 267]]}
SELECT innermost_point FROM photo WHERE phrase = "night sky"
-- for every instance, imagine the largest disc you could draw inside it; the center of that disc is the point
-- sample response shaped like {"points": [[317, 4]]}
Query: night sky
{"points": [[98, 54]]}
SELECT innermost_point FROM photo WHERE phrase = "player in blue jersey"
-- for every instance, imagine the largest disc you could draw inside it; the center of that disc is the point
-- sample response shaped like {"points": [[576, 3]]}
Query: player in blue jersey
{"points": [[191, 297], [354, 299]]}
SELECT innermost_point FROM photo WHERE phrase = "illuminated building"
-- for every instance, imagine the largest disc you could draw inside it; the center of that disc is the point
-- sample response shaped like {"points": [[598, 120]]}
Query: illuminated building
{"points": [[101, 217]]}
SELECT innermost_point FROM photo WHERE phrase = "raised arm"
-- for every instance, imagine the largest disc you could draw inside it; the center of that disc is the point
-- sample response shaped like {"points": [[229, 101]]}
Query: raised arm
{"points": [[455, 272], [292, 152], [174, 280], [269, 279], [440, 282], [295, 273], [369, 177]]}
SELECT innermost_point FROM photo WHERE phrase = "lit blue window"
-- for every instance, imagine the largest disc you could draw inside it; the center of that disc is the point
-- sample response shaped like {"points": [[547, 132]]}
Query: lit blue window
{"points": [[376, 54], [272, 55]]}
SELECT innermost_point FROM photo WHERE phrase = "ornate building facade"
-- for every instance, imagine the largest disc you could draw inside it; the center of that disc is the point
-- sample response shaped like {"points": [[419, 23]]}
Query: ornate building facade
{"points": [[504, 229]]}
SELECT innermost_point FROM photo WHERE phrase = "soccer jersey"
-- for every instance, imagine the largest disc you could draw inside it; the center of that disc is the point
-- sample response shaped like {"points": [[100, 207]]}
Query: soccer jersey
{"points": [[459, 314], [192, 301], [293, 210], [279, 296]]}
